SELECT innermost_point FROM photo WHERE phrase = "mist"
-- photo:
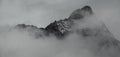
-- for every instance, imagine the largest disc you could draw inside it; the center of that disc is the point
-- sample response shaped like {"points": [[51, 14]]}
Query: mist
{"points": [[22, 43]]}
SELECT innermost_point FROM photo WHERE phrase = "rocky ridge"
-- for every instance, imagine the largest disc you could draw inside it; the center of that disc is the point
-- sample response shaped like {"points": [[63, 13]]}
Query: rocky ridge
{"points": [[62, 27]]}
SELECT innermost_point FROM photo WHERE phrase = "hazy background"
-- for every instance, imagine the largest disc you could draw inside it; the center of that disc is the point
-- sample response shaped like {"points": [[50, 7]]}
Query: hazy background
{"points": [[43, 12]]}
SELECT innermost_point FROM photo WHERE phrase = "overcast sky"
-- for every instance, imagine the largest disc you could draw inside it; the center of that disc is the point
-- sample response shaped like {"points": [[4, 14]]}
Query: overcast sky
{"points": [[43, 12]]}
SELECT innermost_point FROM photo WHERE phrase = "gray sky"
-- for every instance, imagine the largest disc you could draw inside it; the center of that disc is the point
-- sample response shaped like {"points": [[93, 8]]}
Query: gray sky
{"points": [[43, 12]]}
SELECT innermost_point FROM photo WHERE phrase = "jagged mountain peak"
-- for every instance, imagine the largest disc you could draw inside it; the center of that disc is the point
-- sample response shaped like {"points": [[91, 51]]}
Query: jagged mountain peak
{"points": [[97, 38], [87, 8], [81, 13], [60, 28]]}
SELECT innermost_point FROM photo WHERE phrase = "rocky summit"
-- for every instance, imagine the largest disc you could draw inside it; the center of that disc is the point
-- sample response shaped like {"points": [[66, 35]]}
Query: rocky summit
{"points": [[100, 40], [62, 27]]}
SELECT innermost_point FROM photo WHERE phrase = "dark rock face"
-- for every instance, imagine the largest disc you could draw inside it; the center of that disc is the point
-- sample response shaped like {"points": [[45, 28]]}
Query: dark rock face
{"points": [[60, 28], [57, 28], [34, 30], [81, 13], [26, 26]]}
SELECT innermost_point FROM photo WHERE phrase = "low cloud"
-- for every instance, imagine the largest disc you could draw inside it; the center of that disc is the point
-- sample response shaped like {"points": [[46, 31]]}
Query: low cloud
{"points": [[21, 43]]}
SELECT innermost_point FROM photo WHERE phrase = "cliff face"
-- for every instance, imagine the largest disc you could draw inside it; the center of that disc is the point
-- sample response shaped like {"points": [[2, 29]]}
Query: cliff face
{"points": [[60, 28]]}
